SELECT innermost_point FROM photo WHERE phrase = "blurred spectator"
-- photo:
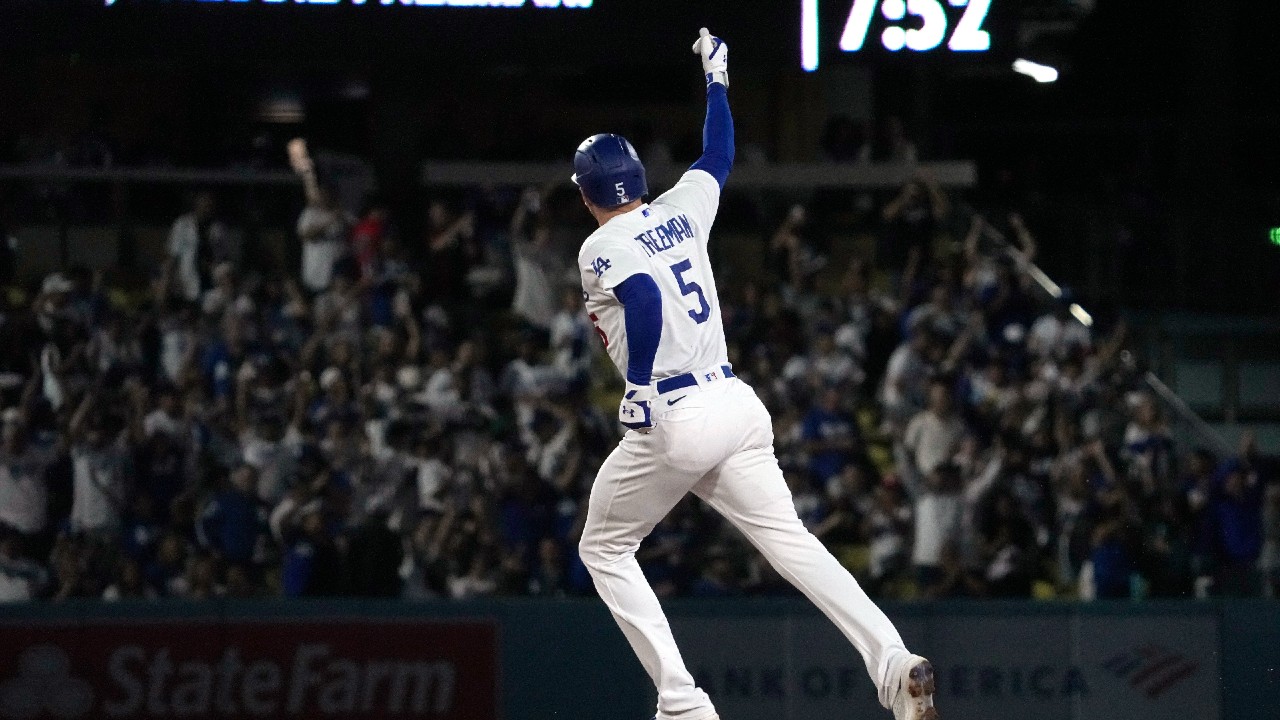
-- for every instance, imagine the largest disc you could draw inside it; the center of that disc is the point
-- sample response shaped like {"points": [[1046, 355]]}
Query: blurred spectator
{"points": [[939, 515], [933, 436], [1007, 309], [313, 565], [476, 575], [203, 579], [20, 578], [799, 261], [239, 583], [664, 554], [540, 267], [903, 390], [24, 495], [232, 525], [824, 366], [910, 221], [1236, 517], [226, 294], [323, 226], [369, 238], [452, 249], [1058, 335], [1008, 549], [809, 504], [1148, 447], [1109, 571], [166, 572], [550, 577], [99, 455], [831, 437], [572, 335], [129, 583], [953, 579], [719, 578], [888, 526], [1196, 491], [425, 566], [198, 242]]}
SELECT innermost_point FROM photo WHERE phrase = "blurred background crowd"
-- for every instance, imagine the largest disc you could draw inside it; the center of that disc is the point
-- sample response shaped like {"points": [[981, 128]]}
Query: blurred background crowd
{"points": [[230, 370], [419, 413]]}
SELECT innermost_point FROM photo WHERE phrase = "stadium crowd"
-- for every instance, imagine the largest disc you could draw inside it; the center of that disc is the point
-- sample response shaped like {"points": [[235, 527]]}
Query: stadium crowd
{"points": [[422, 418]]}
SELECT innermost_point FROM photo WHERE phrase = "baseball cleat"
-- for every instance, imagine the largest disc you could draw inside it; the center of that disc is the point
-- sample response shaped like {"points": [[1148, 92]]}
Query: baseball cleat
{"points": [[914, 698]]}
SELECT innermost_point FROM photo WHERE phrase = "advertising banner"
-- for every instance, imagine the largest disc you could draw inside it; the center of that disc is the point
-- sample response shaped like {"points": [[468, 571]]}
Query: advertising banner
{"points": [[231, 669], [1052, 667]]}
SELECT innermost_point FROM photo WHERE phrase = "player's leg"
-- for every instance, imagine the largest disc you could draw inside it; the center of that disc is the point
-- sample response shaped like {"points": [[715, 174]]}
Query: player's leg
{"points": [[748, 489], [633, 491]]}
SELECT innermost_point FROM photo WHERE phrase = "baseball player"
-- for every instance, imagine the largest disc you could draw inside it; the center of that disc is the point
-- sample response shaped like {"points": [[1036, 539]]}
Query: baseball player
{"points": [[648, 287]]}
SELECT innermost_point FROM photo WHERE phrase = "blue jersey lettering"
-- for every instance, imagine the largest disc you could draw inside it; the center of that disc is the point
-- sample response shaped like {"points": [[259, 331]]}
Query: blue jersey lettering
{"points": [[665, 236]]}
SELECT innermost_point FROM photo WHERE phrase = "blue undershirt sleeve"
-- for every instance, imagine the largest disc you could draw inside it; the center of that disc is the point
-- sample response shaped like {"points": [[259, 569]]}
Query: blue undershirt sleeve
{"points": [[642, 313], [717, 136]]}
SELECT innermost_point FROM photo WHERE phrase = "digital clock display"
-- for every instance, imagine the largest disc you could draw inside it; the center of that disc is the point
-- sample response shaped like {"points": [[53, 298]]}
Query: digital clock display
{"points": [[914, 26]]}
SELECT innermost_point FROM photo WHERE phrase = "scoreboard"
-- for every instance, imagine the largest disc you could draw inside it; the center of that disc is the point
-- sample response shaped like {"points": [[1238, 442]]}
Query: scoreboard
{"points": [[910, 26]]}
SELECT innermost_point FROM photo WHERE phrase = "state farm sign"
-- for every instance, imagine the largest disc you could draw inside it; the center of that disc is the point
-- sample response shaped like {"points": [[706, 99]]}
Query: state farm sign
{"points": [[354, 670]]}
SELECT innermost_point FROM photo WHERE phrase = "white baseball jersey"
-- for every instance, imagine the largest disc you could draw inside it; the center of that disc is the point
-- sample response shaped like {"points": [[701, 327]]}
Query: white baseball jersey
{"points": [[668, 240]]}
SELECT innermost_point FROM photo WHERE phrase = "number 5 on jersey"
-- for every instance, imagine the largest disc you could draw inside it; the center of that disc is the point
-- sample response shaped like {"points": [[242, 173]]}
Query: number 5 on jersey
{"points": [[688, 288]]}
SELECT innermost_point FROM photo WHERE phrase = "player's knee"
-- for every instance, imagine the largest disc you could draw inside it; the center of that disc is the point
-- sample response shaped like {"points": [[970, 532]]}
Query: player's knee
{"points": [[589, 550], [596, 553]]}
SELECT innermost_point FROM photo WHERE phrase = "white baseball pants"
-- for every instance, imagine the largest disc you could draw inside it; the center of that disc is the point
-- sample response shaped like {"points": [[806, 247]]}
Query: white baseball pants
{"points": [[718, 442]]}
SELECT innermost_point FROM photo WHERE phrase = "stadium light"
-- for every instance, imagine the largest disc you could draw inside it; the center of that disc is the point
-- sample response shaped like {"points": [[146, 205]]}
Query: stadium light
{"points": [[1035, 71], [1080, 314], [1274, 234], [809, 35]]}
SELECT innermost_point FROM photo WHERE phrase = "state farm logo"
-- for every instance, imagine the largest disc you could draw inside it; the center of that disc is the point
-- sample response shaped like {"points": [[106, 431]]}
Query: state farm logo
{"points": [[315, 683], [1151, 669], [303, 670], [44, 685], [154, 684]]}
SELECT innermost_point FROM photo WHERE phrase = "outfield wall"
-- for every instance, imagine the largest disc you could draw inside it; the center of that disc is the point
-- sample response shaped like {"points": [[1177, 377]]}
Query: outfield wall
{"points": [[517, 659]]}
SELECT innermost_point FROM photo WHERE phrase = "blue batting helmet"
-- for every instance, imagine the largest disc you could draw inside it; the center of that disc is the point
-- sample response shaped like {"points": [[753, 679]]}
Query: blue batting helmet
{"points": [[609, 171]]}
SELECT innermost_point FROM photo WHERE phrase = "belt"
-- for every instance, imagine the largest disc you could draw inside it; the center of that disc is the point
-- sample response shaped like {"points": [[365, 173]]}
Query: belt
{"points": [[667, 385]]}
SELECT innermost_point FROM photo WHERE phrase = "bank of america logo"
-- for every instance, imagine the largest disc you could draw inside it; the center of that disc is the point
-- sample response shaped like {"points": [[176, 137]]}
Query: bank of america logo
{"points": [[1151, 669], [44, 687]]}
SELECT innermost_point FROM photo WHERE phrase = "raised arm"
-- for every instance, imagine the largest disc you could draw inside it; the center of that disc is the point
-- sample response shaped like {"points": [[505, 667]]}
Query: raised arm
{"points": [[302, 164], [717, 131]]}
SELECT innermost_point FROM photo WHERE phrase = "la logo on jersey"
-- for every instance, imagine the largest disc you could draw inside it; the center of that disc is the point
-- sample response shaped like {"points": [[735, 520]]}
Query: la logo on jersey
{"points": [[599, 265], [622, 192]]}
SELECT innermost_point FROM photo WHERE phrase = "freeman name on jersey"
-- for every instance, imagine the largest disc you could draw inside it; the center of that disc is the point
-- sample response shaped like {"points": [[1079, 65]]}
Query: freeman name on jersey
{"points": [[666, 236]]}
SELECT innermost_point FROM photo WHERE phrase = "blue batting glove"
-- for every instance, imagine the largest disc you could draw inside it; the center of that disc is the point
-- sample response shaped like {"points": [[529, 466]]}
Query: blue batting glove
{"points": [[634, 411]]}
